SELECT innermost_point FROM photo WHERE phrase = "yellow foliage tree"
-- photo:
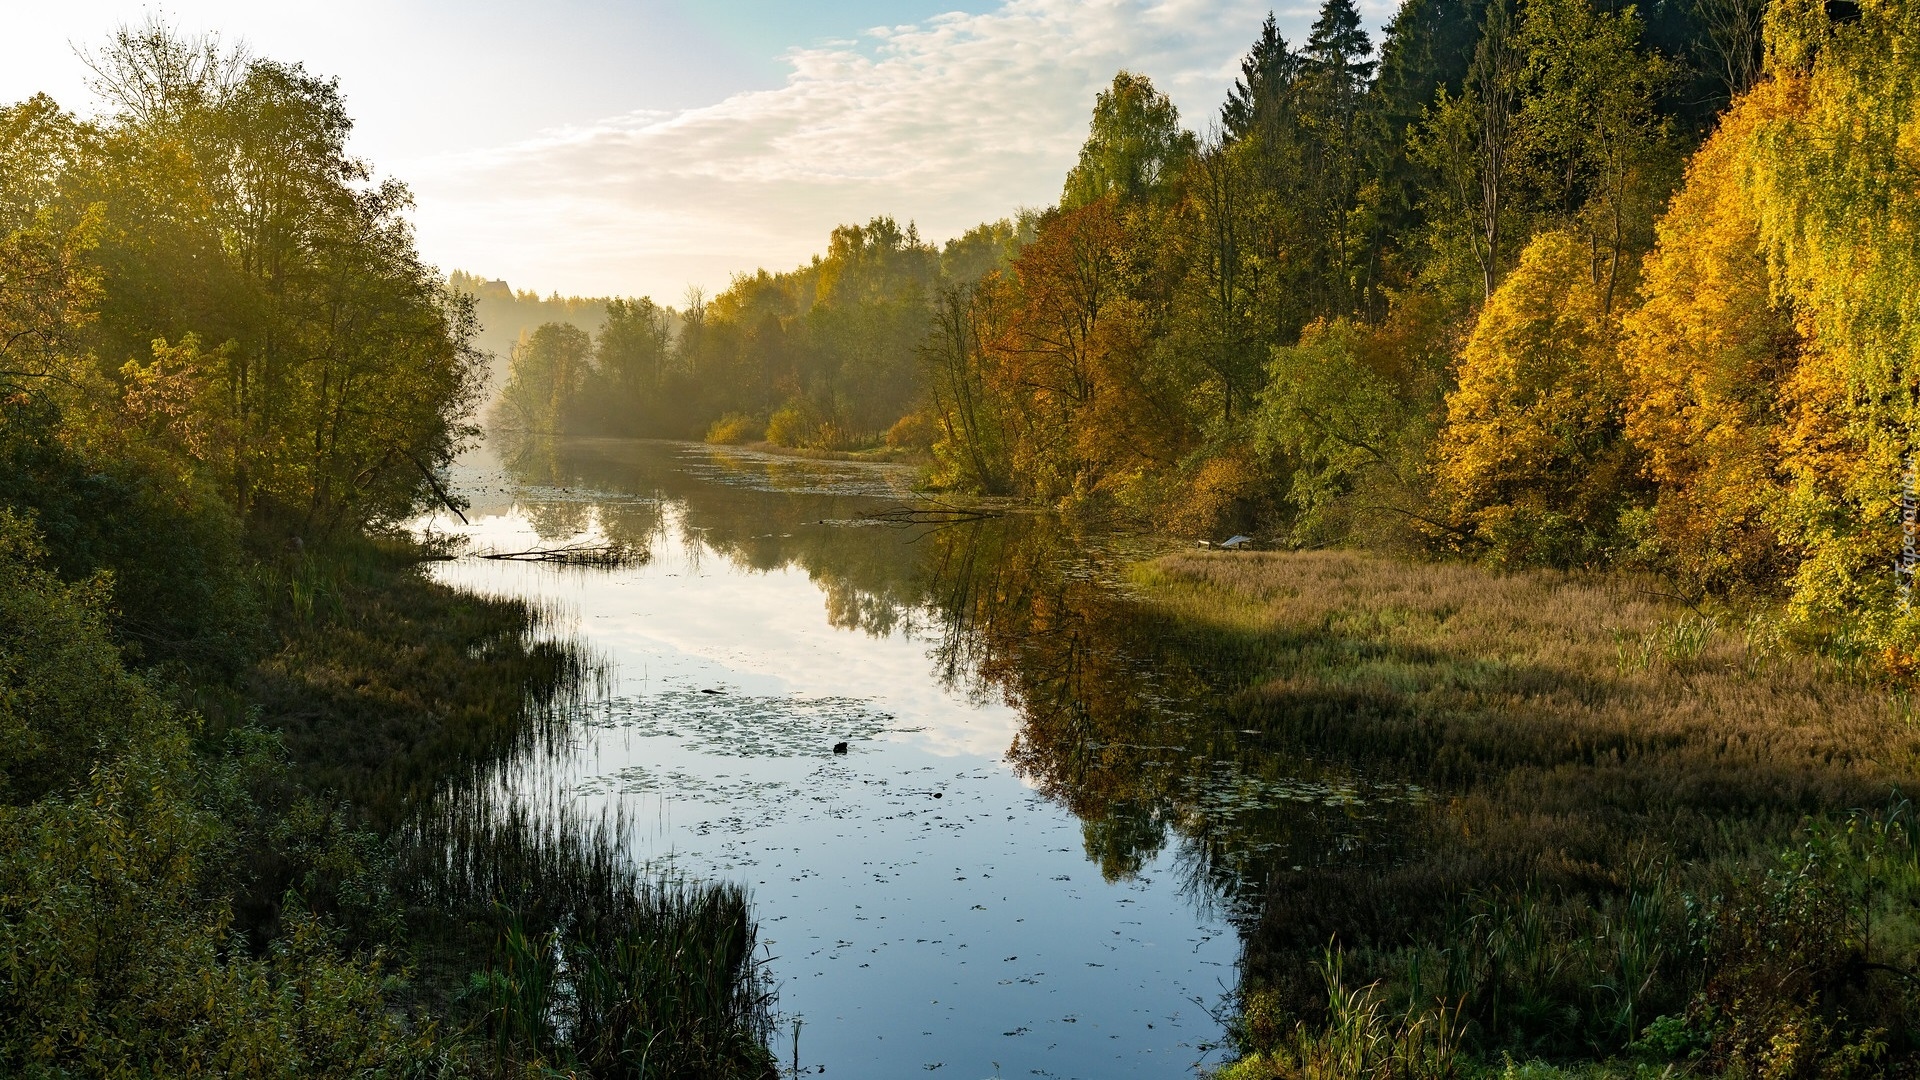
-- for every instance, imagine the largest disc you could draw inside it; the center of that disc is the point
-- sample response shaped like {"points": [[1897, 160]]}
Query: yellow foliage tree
{"points": [[1836, 182], [1531, 460], [1706, 355]]}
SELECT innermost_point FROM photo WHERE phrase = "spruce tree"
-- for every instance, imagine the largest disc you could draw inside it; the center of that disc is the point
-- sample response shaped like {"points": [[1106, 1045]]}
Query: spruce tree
{"points": [[1265, 73], [1339, 43]]}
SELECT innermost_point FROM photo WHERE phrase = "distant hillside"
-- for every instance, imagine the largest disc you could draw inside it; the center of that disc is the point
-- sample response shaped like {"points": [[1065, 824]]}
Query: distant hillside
{"points": [[506, 315]]}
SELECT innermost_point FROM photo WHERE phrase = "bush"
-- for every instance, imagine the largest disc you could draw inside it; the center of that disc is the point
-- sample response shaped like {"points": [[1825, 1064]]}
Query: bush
{"points": [[731, 430], [117, 952], [793, 425], [914, 431], [65, 699]]}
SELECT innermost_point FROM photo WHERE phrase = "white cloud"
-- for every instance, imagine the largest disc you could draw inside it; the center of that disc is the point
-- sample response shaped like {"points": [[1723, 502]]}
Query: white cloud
{"points": [[949, 122]]}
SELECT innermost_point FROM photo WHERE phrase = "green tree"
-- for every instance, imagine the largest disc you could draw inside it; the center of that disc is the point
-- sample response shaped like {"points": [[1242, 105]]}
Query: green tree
{"points": [[632, 364], [1135, 146], [547, 373], [1267, 75], [1466, 140], [1589, 133]]}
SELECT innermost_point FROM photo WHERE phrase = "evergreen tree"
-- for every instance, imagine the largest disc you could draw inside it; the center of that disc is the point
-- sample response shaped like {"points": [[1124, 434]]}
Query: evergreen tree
{"points": [[1339, 45], [1265, 74], [1337, 78]]}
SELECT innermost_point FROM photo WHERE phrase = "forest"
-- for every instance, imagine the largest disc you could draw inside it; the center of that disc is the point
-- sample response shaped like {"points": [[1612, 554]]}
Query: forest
{"points": [[1560, 283]]}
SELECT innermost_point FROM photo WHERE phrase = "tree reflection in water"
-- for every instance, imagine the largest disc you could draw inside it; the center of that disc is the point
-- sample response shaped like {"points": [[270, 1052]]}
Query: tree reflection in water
{"points": [[1126, 719]]}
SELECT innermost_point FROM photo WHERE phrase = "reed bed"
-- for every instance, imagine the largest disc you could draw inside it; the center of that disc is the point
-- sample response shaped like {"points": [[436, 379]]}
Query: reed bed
{"points": [[596, 966]]}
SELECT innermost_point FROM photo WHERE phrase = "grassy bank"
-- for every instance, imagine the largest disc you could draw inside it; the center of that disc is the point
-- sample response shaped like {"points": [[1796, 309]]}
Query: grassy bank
{"points": [[530, 936], [1658, 834], [300, 871]]}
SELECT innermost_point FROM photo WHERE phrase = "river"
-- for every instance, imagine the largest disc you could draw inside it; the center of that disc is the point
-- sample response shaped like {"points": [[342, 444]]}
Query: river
{"points": [[1030, 857]]}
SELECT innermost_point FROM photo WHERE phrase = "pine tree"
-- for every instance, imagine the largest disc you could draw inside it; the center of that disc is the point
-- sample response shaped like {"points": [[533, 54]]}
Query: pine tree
{"points": [[1339, 44], [1264, 75]]}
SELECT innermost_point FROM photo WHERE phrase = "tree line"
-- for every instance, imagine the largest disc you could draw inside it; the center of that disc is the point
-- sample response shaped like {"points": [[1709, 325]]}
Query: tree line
{"points": [[1553, 282]]}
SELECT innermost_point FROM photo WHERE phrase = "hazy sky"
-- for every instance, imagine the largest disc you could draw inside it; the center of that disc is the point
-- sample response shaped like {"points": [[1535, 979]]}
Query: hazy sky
{"points": [[641, 146]]}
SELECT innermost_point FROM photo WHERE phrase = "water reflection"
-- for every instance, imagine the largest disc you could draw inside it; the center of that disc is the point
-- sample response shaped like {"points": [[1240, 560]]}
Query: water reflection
{"points": [[1124, 723], [988, 676]]}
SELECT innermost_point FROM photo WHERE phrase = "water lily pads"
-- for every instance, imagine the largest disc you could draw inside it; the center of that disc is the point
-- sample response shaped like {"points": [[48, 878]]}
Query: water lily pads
{"points": [[742, 725]]}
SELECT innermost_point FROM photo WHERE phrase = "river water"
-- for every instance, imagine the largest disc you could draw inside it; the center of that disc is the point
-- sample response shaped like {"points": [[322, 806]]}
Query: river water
{"points": [[1030, 858]]}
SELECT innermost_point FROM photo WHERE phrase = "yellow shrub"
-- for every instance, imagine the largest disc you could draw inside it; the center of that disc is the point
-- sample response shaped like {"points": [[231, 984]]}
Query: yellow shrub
{"points": [[792, 425], [731, 430], [1215, 497], [914, 431]]}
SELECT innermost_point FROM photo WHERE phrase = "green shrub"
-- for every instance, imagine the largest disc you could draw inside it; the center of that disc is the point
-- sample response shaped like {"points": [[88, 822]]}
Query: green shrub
{"points": [[65, 700], [117, 946]]}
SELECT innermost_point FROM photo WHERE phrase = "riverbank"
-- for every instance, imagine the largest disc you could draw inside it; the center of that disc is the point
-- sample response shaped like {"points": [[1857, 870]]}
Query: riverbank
{"points": [[1659, 833], [531, 941], [317, 846]]}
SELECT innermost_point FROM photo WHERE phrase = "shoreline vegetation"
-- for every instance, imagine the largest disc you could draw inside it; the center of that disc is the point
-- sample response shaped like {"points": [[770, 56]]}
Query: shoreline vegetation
{"points": [[1668, 837], [246, 744]]}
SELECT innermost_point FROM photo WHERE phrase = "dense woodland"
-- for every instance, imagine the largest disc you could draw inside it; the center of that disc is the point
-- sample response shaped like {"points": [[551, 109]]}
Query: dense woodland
{"points": [[1554, 283]]}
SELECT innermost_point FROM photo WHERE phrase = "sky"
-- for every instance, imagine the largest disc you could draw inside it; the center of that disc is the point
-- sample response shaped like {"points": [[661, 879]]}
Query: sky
{"points": [[639, 147]]}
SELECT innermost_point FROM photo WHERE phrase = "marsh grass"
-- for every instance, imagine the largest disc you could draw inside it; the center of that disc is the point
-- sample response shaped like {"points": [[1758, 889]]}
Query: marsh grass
{"points": [[1650, 818], [385, 683], [1362, 1036], [398, 705], [594, 964]]}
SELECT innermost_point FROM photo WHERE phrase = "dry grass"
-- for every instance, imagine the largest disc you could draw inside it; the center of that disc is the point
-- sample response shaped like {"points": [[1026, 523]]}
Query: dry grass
{"points": [[1578, 691], [1618, 777]]}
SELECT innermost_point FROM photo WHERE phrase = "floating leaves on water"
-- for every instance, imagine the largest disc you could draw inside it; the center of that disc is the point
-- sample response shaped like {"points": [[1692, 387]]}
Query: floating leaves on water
{"points": [[786, 475], [719, 789], [730, 725]]}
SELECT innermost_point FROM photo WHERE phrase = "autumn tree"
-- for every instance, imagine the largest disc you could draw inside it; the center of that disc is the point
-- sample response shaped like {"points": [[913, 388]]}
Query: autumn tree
{"points": [[231, 210], [1710, 354], [1531, 458], [1832, 171]]}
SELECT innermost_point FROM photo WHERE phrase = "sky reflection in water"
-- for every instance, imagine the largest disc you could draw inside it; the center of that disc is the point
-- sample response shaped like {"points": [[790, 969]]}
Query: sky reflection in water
{"points": [[966, 934]]}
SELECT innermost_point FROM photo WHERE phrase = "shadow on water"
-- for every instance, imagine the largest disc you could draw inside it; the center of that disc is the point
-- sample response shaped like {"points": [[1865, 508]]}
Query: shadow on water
{"points": [[406, 704]]}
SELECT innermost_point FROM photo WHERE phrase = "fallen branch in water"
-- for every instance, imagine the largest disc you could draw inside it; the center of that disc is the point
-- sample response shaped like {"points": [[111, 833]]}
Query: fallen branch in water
{"points": [[607, 556]]}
